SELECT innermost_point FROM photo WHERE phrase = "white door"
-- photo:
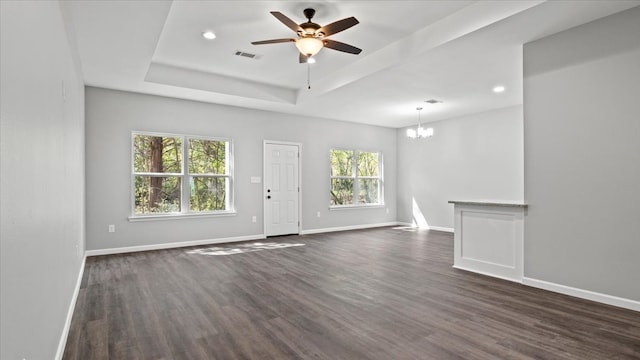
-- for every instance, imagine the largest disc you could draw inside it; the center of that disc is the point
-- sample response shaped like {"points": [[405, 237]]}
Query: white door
{"points": [[281, 189]]}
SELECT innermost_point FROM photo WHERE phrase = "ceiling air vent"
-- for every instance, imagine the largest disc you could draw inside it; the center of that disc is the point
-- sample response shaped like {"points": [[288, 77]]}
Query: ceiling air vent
{"points": [[247, 55]]}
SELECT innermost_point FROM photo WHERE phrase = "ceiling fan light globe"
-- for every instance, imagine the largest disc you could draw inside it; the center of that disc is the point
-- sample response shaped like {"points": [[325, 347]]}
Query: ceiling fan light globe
{"points": [[309, 46]]}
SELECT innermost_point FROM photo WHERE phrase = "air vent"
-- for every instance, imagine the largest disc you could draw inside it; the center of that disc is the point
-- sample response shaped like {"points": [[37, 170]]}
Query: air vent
{"points": [[247, 55], [433, 101]]}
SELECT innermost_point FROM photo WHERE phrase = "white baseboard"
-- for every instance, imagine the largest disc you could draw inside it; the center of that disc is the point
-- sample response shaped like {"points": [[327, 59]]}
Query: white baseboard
{"points": [[440, 228], [486, 273], [67, 324], [436, 228], [129, 249], [346, 228], [583, 294]]}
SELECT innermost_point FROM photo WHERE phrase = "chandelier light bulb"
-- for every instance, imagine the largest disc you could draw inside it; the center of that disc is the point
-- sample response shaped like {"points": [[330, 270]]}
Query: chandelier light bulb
{"points": [[424, 133]]}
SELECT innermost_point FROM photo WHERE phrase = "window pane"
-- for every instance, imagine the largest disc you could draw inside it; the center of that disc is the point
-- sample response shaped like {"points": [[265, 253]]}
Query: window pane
{"points": [[368, 164], [157, 195], [368, 191], [207, 157], [341, 192], [157, 154], [208, 193], [341, 162]]}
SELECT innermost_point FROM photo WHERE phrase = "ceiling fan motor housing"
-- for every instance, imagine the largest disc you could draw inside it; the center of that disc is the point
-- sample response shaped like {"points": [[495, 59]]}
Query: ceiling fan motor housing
{"points": [[310, 29]]}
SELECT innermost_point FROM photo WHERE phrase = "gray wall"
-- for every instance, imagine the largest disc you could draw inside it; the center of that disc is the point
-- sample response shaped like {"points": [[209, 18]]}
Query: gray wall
{"points": [[475, 157], [582, 156], [112, 115], [42, 187]]}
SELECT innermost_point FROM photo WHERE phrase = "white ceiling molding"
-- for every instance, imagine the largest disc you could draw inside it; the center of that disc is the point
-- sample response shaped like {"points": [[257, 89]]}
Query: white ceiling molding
{"points": [[456, 51]]}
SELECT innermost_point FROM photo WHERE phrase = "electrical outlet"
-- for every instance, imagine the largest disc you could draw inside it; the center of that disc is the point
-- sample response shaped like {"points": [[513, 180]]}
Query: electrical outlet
{"points": [[112, 228], [254, 219], [318, 214]]}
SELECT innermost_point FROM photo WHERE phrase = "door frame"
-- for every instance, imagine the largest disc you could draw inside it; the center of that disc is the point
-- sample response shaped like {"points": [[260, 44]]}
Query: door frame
{"points": [[264, 190]]}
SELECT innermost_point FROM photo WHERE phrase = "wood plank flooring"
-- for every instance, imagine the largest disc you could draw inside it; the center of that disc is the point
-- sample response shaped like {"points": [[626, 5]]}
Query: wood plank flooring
{"points": [[369, 294]]}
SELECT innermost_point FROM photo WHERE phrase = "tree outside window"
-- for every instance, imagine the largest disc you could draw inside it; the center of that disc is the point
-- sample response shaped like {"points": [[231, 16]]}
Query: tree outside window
{"points": [[355, 178], [167, 182], [208, 166]]}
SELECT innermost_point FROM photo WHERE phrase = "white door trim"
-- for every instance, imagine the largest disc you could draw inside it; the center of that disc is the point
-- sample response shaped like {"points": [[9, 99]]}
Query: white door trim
{"points": [[264, 173]]}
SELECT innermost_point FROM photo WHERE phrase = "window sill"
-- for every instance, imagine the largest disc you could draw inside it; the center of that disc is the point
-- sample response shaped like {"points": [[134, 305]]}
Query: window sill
{"points": [[352, 207], [180, 216]]}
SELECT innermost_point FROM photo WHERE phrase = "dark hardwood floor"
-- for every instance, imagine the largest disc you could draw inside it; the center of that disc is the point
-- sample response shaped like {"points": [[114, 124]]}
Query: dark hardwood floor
{"points": [[371, 294]]}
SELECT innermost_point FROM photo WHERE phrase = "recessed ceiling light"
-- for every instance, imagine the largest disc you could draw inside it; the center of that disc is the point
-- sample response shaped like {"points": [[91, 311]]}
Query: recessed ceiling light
{"points": [[209, 35], [498, 89]]}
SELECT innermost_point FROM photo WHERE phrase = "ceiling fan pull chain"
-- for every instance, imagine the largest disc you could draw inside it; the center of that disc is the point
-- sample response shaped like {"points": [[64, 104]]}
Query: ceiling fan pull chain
{"points": [[308, 75]]}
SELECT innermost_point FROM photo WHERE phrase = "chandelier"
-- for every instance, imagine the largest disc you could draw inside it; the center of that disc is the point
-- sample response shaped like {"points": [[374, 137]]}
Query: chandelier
{"points": [[419, 132]]}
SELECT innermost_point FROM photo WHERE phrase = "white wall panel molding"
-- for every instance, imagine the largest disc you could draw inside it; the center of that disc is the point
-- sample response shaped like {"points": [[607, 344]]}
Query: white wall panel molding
{"points": [[489, 239]]}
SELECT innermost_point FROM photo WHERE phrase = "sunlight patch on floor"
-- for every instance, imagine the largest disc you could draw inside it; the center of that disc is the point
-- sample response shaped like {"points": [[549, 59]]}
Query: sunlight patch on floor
{"points": [[241, 249]]}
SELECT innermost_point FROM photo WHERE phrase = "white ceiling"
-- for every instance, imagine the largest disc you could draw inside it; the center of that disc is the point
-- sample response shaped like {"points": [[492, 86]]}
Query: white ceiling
{"points": [[454, 51]]}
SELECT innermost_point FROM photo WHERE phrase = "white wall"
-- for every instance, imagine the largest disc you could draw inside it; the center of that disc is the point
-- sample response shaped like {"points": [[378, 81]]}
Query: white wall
{"points": [[112, 115], [582, 156], [475, 157], [42, 183]]}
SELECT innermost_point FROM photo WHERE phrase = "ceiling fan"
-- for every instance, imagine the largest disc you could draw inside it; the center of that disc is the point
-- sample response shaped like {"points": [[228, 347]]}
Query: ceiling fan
{"points": [[313, 37]]}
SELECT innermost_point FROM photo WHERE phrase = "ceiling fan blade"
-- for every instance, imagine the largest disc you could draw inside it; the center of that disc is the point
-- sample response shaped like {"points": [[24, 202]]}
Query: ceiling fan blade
{"points": [[340, 46], [274, 41], [285, 20], [338, 26]]}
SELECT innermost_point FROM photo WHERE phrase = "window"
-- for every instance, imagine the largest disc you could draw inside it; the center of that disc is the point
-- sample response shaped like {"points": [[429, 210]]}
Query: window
{"points": [[177, 174], [355, 178]]}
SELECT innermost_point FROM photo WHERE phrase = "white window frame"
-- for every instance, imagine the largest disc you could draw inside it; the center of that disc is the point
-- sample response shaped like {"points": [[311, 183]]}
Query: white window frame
{"points": [[355, 178], [185, 178]]}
